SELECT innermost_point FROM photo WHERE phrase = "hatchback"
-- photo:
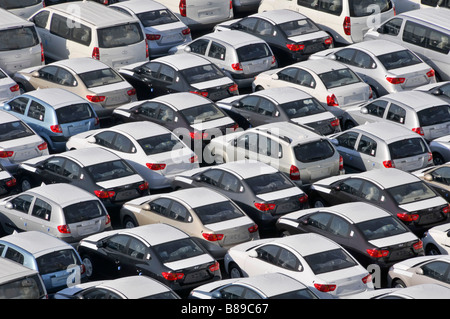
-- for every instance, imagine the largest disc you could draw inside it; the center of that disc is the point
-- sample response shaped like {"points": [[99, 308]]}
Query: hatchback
{"points": [[58, 262], [379, 145], [239, 54], [55, 114], [8, 87]]}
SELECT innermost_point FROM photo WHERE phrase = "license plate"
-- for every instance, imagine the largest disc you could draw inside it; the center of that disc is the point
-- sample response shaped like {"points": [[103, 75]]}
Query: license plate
{"points": [[171, 38], [124, 195], [196, 276], [418, 80], [205, 13]]}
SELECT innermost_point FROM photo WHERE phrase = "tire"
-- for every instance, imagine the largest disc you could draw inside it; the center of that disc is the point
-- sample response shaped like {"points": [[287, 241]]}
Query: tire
{"points": [[129, 222], [89, 266], [438, 159], [318, 202], [235, 271], [259, 88], [25, 184], [432, 250], [398, 283], [374, 92]]}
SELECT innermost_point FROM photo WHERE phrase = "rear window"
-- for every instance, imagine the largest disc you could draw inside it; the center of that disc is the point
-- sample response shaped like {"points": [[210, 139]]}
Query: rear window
{"points": [[298, 27], [160, 144], [157, 17], [74, 113], [178, 250], [363, 8], [338, 78], [16, 4], [23, 288], [202, 113], [202, 73], [120, 35], [57, 261], [82, 211], [217, 212], [331, 260], [100, 77], [381, 228], [412, 192], [300, 108], [314, 151], [434, 115], [398, 59], [19, 38], [253, 51], [110, 170], [407, 147], [14, 130], [268, 183]]}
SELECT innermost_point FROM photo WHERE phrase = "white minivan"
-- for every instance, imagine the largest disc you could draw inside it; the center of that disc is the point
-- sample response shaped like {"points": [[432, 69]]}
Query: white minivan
{"points": [[345, 20], [22, 8], [89, 29], [20, 44]]}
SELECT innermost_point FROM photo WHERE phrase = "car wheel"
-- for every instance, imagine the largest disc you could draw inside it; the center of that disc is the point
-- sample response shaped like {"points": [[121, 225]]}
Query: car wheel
{"points": [[432, 250], [374, 92], [22, 89], [128, 222], [398, 283], [318, 202], [259, 88], [438, 159], [25, 184], [235, 271], [89, 266]]}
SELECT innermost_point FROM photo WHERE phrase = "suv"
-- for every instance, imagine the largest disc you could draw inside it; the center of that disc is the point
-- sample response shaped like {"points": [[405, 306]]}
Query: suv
{"points": [[295, 150]]}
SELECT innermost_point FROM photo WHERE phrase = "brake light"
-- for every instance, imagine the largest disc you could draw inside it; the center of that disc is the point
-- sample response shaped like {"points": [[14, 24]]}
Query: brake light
{"points": [[325, 288], [64, 229], [5, 154], [14, 88], [347, 26], [96, 98], [236, 66], [108, 220], [231, 4], [341, 163], [212, 237], [42, 54], [156, 167], [335, 122], [97, 121], [418, 245], [82, 268], [430, 156], [196, 135], [172, 276], [328, 41], [96, 53], [377, 253], [153, 37], [388, 164], [147, 54], [295, 47], [12, 182], [431, 73], [332, 101], [367, 278], [202, 93], [406, 217], [56, 128], [104, 194], [233, 88], [395, 80], [42, 146], [303, 199], [214, 267], [253, 229], [370, 93], [193, 159], [264, 207], [186, 31], [418, 130], [446, 209], [294, 173], [274, 60], [131, 92], [143, 186], [182, 8]]}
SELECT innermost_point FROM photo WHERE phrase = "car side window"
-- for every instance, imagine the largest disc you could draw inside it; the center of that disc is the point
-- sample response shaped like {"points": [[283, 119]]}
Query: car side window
{"points": [[396, 113], [439, 42], [123, 144], [267, 108], [249, 103], [60, 26], [437, 270], [268, 253], [99, 293], [319, 220], [166, 73], [264, 28], [217, 51], [199, 46], [71, 170], [165, 113], [64, 77], [136, 249], [415, 33], [351, 186], [229, 182], [212, 177], [118, 243], [305, 78], [248, 24], [149, 109], [370, 192], [238, 292], [377, 108], [441, 175], [348, 139], [41, 209], [105, 139], [248, 141], [391, 27], [339, 227], [345, 56], [161, 206], [18, 105], [22, 203], [36, 111], [363, 60], [288, 260], [179, 213], [151, 69], [40, 19], [54, 165], [48, 73], [367, 146], [14, 255], [288, 75], [268, 147]]}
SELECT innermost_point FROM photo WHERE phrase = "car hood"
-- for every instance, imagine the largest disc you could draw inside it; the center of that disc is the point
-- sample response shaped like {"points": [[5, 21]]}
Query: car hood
{"points": [[393, 240]]}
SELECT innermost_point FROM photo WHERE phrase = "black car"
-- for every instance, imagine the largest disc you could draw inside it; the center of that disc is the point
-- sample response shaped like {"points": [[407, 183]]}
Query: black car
{"points": [[292, 36], [94, 169], [371, 234], [179, 73], [159, 251], [8, 183]]}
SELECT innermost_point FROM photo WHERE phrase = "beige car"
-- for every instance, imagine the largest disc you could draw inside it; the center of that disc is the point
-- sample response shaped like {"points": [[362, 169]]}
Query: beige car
{"points": [[200, 212], [91, 79]]}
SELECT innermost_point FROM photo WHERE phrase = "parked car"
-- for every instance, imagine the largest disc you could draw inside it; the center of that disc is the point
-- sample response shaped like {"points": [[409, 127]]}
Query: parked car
{"points": [[265, 286], [152, 150], [259, 189], [331, 82], [240, 55], [163, 29], [203, 213], [58, 262], [8, 87], [179, 73], [399, 192], [158, 251], [297, 151], [20, 282], [22, 9], [55, 114], [64, 211], [91, 79], [191, 117], [369, 233], [439, 89], [408, 5], [291, 35], [240, 6], [132, 287], [281, 104], [8, 182], [422, 291], [437, 177], [18, 142], [420, 270], [440, 148], [318, 262], [382, 145], [105, 175], [386, 66], [420, 112], [436, 241]]}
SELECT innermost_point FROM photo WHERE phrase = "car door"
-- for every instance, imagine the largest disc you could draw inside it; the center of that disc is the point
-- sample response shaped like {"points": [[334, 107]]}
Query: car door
{"points": [[148, 74], [347, 143], [435, 272], [110, 256], [345, 191], [367, 149], [131, 261], [51, 171], [45, 77], [39, 217], [264, 261], [16, 217]]}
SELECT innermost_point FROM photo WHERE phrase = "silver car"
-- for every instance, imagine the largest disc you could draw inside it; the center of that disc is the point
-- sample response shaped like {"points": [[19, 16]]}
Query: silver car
{"points": [[440, 147], [387, 67], [382, 145], [440, 89]]}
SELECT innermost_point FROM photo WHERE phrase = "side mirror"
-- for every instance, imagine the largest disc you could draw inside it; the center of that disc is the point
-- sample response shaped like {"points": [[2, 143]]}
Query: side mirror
{"points": [[236, 104], [101, 244], [91, 139], [274, 76], [332, 56], [35, 74], [436, 92], [448, 233], [419, 271], [336, 188], [216, 295], [146, 206], [428, 177], [334, 141], [364, 110], [9, 205], [187, 49], [253, 254], [198, 178]]}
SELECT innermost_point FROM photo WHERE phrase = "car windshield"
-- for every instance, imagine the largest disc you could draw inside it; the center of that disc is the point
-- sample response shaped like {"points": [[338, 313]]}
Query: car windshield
{"points": [[202, 113], [298, 27], [156, 17], [110, 170], [398, 59], [100, 77], [177, 250], [217, 212], [74, 113], [268, 183], [362, 8], [160, 144], [57, 261], [16, 4], [120, 35], [29, 287], [14, 130], [19, 38], [300, 108], [202, 73], [330, 260], [434, 115], [407, 148], [381, 228], [83, 211], [411, 192], [337, 78], [253, 51], [314, 151]]}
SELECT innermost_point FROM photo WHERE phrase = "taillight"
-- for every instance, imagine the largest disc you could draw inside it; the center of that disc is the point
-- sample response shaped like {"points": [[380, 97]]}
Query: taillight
{"points": [[418, 130], [395, 80], [341, 163], [108, 220], [56, 128], [264, 207], [236, 66], [431, 73], [11, 182], [231, 4], [233, 88], [367, 278], [446, 209], [295, 47], [104, 194], [5, 154], [155, 167], [418, 245], [212, 237], [96, 98], [153, 37], [202, 93], [82, 268], [143, 186], [14, 88], [347, 26], [325, 288], [42, 146], [370, 93], [328, 41], [172, 276], [303, 199], [388, 164], [274, 60], [335, 122], [96, 121], [406, 217], [42, 53], [147, 54], [186, 31], [193, 159], [96, 53], [377, 253], [430, 156], [253, 229], [294, 173], [196, 135], [182, 8], [332, 101], [131, 92], [64, 229], [214, 267]]}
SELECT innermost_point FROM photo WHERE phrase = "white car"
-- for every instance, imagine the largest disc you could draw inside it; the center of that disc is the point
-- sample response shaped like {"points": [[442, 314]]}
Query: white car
{"points": [[331, 82], [318, 262], [8, 87], [152, 150], [424, 291], [436, 240], [387, 67]]}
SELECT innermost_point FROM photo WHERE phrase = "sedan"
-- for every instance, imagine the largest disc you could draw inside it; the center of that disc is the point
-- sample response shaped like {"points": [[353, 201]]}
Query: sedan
{"points": [[152, 150], [158, 251], [438, 178], [89, 78], [386, 66], [179, 73], [420, 270], [422, 291], [371, 234], [436, 241], [316, 261], [216, 221], [331, 82], [96, 170], [8, 182], [439, 89], [291, 35], [8, 87], [397, 191]]}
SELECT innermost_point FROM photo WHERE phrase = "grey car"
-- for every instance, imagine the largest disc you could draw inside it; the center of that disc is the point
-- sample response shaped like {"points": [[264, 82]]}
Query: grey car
{"points": [[382, 145], [440, 89], [440, 147]]}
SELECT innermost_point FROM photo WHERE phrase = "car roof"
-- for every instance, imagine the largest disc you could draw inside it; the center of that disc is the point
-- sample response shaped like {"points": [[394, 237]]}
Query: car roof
{"points": [[141, 129], [182, 61], [320, 66], [416, 100], [56, 97], [289, 132], [197, 196], [138, 6], [283, 94], [10, 20], [307, 243], [357, 211], [134, 287], [386, 131], [63, 194], [378, 46], [280, 15], [81, 65], [435, 16], [10, 270], [6, 117], [235, 38], [388, 177], [84, 155], [271, 284], [247, 168], [181, 100], [155, 234]]}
